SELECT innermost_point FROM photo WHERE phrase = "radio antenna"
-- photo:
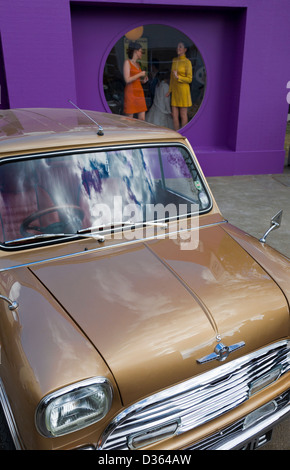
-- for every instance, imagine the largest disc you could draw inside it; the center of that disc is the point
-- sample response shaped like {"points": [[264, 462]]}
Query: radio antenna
{"points": [[100, 131]]}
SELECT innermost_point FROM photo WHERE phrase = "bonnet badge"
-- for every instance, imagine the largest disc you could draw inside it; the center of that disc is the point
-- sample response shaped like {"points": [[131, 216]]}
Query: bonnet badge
{"points": [[221, 352]]}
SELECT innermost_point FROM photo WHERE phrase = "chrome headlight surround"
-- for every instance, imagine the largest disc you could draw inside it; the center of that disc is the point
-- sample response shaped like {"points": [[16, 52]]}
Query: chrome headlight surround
{"points": [[74, 407]]}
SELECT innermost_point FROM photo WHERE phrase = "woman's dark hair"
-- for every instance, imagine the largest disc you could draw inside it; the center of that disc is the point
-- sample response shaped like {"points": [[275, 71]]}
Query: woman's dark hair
{"points": [[133, 46], [185, 45]]}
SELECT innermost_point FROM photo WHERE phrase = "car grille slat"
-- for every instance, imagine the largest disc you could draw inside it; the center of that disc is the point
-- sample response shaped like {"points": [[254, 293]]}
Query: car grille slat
{"points": [[210, 408], [197, 400]]}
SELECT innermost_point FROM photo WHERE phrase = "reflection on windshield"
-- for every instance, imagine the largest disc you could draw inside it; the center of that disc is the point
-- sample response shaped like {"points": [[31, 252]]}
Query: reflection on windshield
{"points": [[67, 193]]}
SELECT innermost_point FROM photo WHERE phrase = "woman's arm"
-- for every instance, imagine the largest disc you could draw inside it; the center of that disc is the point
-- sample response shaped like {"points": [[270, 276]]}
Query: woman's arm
{"points": [[185, 77], [126, 73]]}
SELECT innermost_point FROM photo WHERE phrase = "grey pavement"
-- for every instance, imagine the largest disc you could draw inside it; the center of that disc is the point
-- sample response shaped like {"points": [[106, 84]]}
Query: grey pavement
{"points": [[249, 202]]}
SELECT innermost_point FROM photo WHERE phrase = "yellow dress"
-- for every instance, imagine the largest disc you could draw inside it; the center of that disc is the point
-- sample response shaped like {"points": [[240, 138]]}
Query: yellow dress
{"points": [[179, 88]]}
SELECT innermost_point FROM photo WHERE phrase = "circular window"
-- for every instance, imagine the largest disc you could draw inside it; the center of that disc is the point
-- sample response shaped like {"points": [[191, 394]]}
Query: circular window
{"points": [[156, 73]]}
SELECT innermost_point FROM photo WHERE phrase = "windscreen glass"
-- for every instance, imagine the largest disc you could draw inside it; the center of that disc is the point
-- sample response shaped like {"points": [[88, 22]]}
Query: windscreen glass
{"points": [[64, 194]]}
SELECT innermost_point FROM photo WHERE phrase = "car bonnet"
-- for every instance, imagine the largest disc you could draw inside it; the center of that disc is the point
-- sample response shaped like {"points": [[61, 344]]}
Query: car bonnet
{"points": [[153, 309]]}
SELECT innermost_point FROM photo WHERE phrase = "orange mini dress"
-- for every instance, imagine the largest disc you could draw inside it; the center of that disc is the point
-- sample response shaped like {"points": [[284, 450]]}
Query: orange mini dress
{"points": [[134, 99]]}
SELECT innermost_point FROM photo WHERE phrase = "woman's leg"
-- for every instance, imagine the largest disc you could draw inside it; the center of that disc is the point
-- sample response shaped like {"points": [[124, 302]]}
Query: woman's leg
{"points": [[141, 116], [175, 116], [183, 116]]}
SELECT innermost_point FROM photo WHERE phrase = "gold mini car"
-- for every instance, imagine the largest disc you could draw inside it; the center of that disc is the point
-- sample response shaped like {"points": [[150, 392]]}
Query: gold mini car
{"points": [[132, 314]]}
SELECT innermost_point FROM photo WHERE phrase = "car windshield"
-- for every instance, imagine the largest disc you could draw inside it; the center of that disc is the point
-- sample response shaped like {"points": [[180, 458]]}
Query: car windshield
{"points": [[75, 191]]}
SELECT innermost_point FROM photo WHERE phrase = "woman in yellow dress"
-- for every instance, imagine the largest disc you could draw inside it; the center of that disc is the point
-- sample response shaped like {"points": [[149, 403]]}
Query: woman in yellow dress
{"points": [[181, 77]]}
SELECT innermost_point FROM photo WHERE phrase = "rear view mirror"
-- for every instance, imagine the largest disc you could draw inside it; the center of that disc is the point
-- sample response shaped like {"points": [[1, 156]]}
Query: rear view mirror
{"points": [[275, 223]]}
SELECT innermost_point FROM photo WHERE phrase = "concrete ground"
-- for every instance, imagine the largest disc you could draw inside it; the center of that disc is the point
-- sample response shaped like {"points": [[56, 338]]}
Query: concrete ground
{"points": [[249, 202]]}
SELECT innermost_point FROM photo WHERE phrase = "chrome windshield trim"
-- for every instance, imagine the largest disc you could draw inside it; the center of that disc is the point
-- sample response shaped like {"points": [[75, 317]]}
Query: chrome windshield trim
{"points": [[104, 247]]}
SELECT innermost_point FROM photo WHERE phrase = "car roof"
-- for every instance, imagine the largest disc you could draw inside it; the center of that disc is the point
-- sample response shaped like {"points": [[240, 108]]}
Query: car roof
{"points": [[33, 130]]}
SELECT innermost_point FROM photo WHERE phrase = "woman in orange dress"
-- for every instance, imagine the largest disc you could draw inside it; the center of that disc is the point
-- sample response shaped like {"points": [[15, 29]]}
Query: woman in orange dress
{"points": [[134, 99]]}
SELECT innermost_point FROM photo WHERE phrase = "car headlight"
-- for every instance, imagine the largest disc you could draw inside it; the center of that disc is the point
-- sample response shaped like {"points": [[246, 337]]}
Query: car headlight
{"points": [[74, 407]]}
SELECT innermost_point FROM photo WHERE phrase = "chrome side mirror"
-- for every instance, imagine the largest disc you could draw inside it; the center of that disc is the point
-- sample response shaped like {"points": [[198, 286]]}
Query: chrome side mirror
{"points": [[275, 223]]}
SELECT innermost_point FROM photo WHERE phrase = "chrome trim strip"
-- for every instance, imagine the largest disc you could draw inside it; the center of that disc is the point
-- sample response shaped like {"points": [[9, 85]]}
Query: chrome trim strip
{"points": [[9, 417], [103, 247]]}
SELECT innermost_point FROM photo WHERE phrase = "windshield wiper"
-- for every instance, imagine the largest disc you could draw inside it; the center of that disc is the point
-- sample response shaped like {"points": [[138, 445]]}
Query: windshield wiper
{"points": [[40, 236], [90, 232], [47, 236]]}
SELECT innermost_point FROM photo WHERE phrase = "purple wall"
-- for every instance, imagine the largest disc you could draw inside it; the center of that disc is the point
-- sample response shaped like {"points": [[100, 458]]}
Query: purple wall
{"points": [[55, 50]]}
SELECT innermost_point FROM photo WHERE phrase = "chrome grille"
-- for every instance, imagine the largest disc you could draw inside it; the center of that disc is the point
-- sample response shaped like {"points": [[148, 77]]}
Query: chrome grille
{"points": [[197, 400], [214, 441]]}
